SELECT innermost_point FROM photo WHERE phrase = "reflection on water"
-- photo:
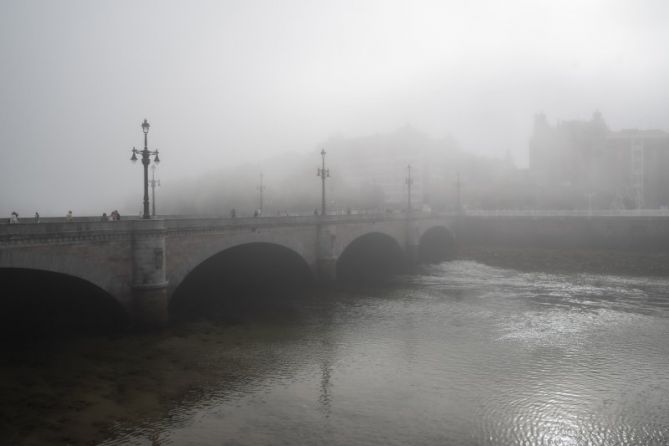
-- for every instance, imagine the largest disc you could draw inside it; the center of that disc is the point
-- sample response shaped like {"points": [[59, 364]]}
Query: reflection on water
{"points": [[459, 354]]}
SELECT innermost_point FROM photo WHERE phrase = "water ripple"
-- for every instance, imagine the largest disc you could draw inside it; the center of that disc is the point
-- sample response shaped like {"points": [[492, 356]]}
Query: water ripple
{"points": [[461, 353]]}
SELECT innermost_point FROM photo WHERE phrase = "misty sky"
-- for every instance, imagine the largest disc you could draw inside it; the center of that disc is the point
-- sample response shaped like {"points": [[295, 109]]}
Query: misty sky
{"points": [[225, 82]]}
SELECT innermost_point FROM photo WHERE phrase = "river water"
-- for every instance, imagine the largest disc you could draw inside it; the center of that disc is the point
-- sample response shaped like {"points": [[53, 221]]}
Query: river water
{"points": [[459, 353]]}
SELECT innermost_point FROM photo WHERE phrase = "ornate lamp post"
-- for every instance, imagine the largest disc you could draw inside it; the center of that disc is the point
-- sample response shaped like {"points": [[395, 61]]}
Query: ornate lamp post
{"points": [[458, 190], [146, 160], [323, 173], [409, 183], [153, 184], [261, 189]]}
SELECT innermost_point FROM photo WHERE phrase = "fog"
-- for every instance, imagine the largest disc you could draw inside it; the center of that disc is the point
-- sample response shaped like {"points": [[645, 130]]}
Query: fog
{"points": [[240, 87]]}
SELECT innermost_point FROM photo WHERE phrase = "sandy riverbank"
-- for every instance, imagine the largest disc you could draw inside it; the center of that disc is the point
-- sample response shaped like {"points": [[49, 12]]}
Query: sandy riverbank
{"points": [[79, 391]]}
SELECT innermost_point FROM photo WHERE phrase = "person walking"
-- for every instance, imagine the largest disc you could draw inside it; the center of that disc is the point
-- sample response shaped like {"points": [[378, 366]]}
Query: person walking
{"points": [[14, 218], [68, 217], [104, 217], [36, 217]]}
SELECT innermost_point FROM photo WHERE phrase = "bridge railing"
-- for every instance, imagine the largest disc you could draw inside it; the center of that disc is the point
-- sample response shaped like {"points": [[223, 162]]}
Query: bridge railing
{"points": [[29, 228], [17, 232], [50, 225], [176, 222]]}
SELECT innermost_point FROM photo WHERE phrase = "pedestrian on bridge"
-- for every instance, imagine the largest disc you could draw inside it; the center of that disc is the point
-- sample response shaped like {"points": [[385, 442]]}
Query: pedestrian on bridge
{"points": [[36, 217], [14, 218], [68, 217]]}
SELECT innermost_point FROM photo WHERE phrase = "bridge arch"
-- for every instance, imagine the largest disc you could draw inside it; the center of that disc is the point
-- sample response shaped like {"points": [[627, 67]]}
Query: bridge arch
{"points": [[107, 267], [436, 244], [38, 302], [370, 257], [237, 276]]}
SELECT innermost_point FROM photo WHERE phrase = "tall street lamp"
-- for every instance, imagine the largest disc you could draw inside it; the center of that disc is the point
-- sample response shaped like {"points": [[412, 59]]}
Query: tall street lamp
{"points": [[409, 183], [146, 160], [323, 173], [458, 190], [153, 184], [261, 189]]}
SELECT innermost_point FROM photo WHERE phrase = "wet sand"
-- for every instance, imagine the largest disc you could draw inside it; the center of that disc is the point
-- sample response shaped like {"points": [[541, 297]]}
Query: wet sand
{"points": [[79, 391]]}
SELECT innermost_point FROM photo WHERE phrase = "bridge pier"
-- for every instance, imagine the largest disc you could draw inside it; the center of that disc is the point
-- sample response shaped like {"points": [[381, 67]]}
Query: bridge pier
{"points": [[411, 254], [149, 284], [411, 247], [326, 260], [327, 270]]}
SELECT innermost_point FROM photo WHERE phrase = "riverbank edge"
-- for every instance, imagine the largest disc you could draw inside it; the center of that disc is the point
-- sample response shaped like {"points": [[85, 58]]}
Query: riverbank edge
{"points": [[570, 260]]}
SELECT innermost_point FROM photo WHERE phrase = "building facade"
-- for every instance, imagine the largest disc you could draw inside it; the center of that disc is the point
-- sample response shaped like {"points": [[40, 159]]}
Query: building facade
{"points": [[583, 163], [375, 168]]}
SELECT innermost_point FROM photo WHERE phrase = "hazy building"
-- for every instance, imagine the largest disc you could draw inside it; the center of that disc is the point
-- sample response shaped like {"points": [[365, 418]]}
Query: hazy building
{"points": [[584, 163], [376, 167]]}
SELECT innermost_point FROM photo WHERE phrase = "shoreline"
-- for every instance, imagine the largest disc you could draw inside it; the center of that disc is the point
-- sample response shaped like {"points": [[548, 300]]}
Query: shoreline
{"points": [[569, 260]]}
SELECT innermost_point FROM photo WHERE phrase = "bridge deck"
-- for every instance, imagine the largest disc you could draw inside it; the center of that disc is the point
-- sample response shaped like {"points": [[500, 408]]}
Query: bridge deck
{"points": [[89, 225]]}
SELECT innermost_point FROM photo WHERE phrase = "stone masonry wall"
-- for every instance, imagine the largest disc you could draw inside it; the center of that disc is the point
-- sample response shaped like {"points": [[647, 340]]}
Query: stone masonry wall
{"points": [[608, 232]]}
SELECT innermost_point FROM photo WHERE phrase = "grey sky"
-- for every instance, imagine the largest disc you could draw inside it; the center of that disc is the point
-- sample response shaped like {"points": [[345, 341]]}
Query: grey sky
{"points": [[228, 82]]}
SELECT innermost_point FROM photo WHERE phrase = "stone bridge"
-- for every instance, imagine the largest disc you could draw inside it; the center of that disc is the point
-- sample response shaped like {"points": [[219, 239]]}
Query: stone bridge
{"points": [[141, 263]]}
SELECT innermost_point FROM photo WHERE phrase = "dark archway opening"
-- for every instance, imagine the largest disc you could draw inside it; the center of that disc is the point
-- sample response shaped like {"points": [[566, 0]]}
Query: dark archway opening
{"points": [[241, 282], [370, 258], [436, 245], [42, 304]]}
